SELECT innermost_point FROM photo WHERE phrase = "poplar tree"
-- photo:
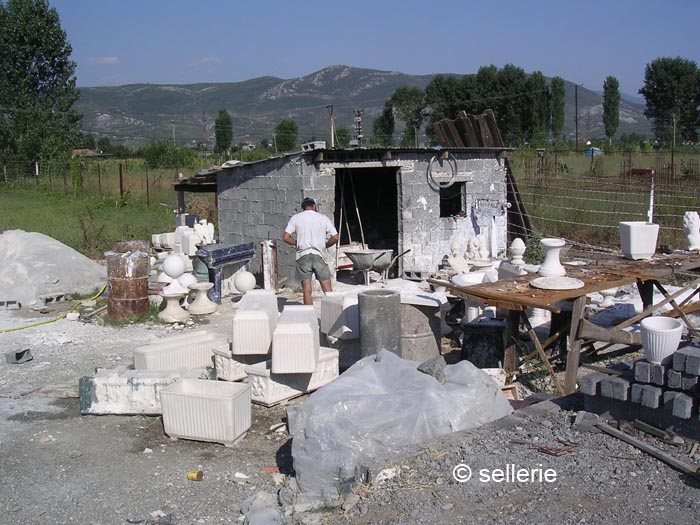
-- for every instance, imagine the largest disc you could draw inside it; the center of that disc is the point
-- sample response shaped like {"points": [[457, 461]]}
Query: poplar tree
{"points": [[37, 83], [611, 106]]}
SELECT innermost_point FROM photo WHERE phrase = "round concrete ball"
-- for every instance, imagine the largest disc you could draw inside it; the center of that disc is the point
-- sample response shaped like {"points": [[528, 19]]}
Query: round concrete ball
{"points": [[244, 281], [174, 266], [187, 279]]}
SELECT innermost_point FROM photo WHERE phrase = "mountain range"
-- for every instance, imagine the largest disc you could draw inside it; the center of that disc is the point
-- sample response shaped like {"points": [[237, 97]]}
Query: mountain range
{"points": [[137, 113]]}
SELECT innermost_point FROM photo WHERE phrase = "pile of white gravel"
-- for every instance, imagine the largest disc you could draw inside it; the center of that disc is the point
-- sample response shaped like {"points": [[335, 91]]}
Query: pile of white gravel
{"points": [[33, 264]]}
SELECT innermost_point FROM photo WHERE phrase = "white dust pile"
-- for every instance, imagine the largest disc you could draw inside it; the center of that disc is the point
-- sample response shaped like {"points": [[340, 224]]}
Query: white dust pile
{"points": [[33, 264]]}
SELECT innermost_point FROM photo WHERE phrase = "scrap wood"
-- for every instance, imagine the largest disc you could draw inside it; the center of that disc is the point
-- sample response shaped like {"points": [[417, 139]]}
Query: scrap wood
{"points": [[693, 450], [685, 468], [605, 370], [568, 448], [651, 430]]}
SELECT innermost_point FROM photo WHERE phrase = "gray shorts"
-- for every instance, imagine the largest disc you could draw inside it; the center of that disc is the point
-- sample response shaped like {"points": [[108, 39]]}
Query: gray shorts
{"points": [[312, 264]]}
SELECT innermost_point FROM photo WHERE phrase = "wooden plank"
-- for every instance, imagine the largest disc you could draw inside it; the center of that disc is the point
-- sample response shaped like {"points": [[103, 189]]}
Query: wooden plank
{"points": [[588, 330], [454, 134], [464, 126], [676, 308], [442, 137], [691, 470], [477, 131], [573, 356], [543, 357], [648, 311], [510, 358], [604, 370], [486, 137], [490, 119]]}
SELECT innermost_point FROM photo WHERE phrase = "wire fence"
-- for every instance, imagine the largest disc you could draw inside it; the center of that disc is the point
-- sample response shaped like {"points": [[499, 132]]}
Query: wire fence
{"points": [[583, 199]]}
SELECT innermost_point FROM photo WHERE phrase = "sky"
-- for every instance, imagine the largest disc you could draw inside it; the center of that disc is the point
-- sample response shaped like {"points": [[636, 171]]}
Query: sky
{"points": [[117, 42]]}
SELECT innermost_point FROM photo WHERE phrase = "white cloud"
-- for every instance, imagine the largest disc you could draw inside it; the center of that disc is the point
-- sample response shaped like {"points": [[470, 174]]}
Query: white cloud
{"points": [[106, 60], [205, 61]]}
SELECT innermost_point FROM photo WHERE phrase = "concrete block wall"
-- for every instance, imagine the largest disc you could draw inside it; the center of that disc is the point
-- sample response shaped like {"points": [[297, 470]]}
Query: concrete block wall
{"points": [[256, 201], [430, 236]]}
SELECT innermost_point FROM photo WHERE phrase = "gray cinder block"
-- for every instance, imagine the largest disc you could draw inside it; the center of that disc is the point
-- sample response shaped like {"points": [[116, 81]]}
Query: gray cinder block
{"points": [[658, 374], [590, 383], [651, 396], [674, 379], [636, 393], [642, 371], [682, 406], [615, 388], [669, 396]]}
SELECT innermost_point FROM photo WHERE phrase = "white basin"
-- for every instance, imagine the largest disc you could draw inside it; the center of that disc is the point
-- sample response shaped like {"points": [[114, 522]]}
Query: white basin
{"points": [[468, 279]]}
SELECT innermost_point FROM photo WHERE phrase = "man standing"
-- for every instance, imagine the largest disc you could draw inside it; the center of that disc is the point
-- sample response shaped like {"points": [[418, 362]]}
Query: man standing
{"points": [[311, 229]]}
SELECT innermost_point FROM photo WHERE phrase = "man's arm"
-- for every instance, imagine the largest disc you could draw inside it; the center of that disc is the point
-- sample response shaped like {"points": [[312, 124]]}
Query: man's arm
{"points": [[330, 242], [289, 239]]}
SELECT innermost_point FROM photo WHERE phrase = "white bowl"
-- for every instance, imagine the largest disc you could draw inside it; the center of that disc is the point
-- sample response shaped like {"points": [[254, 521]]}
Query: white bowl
{"points": [[660, 338]]}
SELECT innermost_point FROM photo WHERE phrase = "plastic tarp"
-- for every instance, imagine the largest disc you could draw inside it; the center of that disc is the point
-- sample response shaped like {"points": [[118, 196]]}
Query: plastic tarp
{"points": [[377, 407]]}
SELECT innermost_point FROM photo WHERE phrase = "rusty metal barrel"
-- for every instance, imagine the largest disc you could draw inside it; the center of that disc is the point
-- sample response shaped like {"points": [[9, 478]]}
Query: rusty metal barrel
{"points": [[127, 284], [421, 328]]}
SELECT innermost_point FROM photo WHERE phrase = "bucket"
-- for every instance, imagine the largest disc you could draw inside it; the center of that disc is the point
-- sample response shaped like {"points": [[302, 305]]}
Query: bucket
{"points": [[127, 284], [421, 328]]}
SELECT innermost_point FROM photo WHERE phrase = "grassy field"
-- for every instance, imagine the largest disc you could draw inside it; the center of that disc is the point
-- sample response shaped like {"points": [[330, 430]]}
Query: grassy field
{"points": [[567, 195], [583, 199]]}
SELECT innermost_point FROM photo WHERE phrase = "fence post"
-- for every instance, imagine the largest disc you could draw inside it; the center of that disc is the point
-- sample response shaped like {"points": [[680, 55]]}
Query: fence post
{"points": [[65, 180], [36, 173], [148, 193], [80, 174], [99, 180], [121, 180], [48, 171]]}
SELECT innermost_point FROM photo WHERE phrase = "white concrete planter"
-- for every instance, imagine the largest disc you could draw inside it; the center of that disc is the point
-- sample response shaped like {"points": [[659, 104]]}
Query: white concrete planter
{"points": [[660, 338], [552, 267], [187, 351], [638, 239], [206, 410]]}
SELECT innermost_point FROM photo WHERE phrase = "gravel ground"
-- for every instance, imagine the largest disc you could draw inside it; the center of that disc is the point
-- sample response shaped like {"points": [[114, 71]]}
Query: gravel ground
{"points": [[61, 467]]}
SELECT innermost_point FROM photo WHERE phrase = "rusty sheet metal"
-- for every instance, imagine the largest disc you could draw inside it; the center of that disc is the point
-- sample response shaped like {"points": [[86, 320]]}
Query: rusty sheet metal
{"points": [[465, 126]]}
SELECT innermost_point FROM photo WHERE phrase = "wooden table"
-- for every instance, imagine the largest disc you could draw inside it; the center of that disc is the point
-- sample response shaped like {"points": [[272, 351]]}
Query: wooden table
{"points": [[516, 295]]}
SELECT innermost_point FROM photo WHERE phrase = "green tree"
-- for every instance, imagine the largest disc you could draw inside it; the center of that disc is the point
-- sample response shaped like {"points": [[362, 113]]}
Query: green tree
{"points": [[509, 101], [672, 93], [611, 106], [536, 121], [86, 141], [408, 104], [342, 136], [37, 83], [223, 131], [557, 103], [286, 134], [162, 153], [383, 126], [486, 90]]}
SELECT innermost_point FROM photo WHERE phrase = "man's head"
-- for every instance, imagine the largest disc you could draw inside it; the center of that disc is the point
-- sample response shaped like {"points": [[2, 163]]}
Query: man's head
{"points": [[308, 204]]}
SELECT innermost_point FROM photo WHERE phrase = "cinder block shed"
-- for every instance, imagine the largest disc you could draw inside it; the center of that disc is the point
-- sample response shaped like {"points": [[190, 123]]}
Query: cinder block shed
{"points": [[421, 199]]}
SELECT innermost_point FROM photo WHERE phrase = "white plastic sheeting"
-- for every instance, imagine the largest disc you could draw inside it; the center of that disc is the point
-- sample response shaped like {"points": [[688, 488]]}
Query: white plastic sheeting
{"points": [[380, 405]]}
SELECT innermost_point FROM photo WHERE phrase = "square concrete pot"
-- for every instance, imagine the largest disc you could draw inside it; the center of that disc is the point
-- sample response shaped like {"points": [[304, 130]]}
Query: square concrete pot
{"points": [[202, 410], [638, 239]]}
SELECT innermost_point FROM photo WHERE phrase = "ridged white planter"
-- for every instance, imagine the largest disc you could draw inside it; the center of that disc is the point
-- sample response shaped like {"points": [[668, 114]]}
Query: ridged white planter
{"points": [[660, 338], [638, 239], [206, 410], [188, 351]]}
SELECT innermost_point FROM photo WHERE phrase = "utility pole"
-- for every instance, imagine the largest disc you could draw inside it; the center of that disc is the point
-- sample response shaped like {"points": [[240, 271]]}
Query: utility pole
{"points": [[358, 125], [576, 113], [673, 144], [330, 114], [172, 123]]}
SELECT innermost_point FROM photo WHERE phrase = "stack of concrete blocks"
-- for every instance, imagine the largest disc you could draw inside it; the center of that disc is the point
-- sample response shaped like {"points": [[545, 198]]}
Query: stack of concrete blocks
{"points": [[280, 356], [662, 394]]}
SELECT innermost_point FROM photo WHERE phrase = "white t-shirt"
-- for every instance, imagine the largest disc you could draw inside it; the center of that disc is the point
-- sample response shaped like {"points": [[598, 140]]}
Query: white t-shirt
{"points": [[312, 230]]}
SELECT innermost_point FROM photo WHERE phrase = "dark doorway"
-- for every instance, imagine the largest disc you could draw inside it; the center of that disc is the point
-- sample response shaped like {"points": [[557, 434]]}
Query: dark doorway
{"points": [[372, 192]]}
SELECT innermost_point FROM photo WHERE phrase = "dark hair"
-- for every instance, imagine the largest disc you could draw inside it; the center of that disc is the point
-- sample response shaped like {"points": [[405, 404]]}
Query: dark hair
{"points": [[307, 203]]}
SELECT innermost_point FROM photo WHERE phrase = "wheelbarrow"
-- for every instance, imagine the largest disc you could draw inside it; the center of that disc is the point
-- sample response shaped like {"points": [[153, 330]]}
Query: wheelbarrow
{"points": [[377, 260]]}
